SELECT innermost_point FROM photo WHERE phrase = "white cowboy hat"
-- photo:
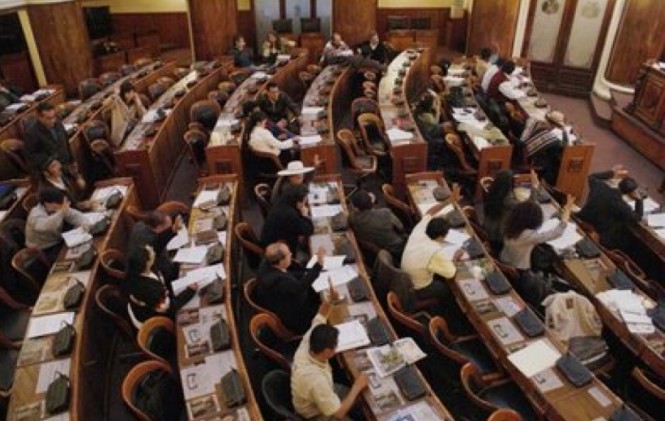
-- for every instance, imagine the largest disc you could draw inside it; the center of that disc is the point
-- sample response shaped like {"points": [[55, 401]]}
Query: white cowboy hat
{"points": [[295, 167], [556, 117]]}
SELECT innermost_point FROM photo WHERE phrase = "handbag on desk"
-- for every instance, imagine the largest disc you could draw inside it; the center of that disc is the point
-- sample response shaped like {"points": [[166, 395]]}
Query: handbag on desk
{"points": [[113, 200], [587, 249], [74, 295], [100, 227], [233, 390], [410, 383], [529, 323], [86, 259], [377, 332], [57, 394], [574, 370], [220, 336], [339, 222], [63, 342], [497, 283]]}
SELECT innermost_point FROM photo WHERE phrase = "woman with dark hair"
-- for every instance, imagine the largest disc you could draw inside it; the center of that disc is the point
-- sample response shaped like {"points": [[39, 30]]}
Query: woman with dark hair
{"points": [[126, 112], [522, 233], [275, 45], [427, 118], [263, 141], [148, 293], [73, 188]]}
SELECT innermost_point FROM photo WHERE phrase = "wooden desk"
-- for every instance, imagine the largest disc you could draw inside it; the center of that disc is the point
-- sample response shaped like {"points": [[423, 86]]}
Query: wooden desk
{"points": [[490, 315], [11, 130], [36, 356], [412, 68], [330, 94], [355, 361], [152, 161], [110, 62], [195, 357], [225, 150]]}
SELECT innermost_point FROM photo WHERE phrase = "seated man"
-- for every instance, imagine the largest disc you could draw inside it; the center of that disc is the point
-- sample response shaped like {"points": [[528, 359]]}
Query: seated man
{"points": [[376, 225], [242, 56], [277, 105], [502, 88], [46, 221], [286, 293], [424, 258], [374, 49], [606, 210], [47, 138], [156, 230], [315, 396], [289, 220], [334, 49], [293, 175]]}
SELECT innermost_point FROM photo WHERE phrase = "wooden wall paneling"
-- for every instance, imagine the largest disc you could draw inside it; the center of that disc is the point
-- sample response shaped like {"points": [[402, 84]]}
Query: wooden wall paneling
{"points": [[354, 20], [492, 24], [63, 42], [171, 27], [214, 23], [640, 37], [17, 68], [247, 27], [452, 33]]}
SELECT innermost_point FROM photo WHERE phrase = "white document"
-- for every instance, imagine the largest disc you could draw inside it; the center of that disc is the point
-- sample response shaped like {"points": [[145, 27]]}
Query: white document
{"points": [[325, 211], [656, 220], [180, 239], [456, 236], [221, 236], [310, 140], [76, 237], [49, 372], [569, 237], [337, 276], [481, 143], [69, 126], [449, 250], [28, 98], [421, 411], [534, 358], [508, 305], [454, 80], [150, 116], [396, 134], [351, 335], [197, 380], [473, 289], [505, 331], [202, 277], [311, 111], [14, 107], [329, 262], [47, 325], [227, 122], [548, 225], [659, 232], [259, 75], [195, 255], [409, 349], [103, 193], [205, 196]]}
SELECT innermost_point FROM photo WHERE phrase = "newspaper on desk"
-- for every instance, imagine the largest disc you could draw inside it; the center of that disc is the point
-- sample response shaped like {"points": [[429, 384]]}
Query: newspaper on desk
{"points": [[337, 276], [396, 134], [631, 307], [352, 335], [101, 194], [202, 277], [566, 240], [389, 358], [76, 237]]}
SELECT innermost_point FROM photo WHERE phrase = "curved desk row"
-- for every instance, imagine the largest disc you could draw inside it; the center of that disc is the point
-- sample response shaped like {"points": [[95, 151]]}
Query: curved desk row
{"points": [[153, 149], [224, 152], [383, 401], [550, 393], [405, 80], [37, 367], [201, 366], [15, 210]]}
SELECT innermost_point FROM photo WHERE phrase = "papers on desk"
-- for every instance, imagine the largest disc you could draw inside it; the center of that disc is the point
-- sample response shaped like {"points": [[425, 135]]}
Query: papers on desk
{"points": [[457, 237], [325, 211], [648, 203], [310, 140], [259, 75], [351, 335], [505, 331], [420, 411], [409, 350], [180, 239], [197, 380], [659, 232], [329, 262], [205, 197], [227, 122], [76, 237], [473, 289], [481, 143], [15, 107], [28, 98], [385, 359], [534, 358], [49, 372], [101, 194], [396, 134], [94, 217], [47, 325], [454, 80], [43, 91], [631, 309], [150, 116], [337, 276], [569, 133], [202, 277], [194, 255], [656, 220], [311, 111], [568, 239]]}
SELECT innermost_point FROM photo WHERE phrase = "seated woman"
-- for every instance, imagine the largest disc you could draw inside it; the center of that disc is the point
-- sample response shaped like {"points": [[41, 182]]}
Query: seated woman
{"points": [[261, 140], [293, 175], [126, 111], [73, 188], [149, 295], [427, 118], [275, 45], [522, 232]]}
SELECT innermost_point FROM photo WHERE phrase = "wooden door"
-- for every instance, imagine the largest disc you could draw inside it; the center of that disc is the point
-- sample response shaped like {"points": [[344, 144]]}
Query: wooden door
{"points": [[564, 42]]}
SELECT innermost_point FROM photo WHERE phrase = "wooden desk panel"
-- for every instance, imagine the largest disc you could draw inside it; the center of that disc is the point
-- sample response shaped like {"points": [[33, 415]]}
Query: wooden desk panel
{"points": [[563, 403], [15, 210], [110, 62], [153, 160]]}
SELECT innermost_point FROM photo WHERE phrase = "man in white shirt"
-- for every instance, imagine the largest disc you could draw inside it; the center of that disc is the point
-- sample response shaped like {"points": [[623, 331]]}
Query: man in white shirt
{"points": [[502, 86], [315, 396]]}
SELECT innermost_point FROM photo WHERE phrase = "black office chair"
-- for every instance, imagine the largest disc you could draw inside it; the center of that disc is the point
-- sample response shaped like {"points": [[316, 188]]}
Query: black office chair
{"points": [[310, 25], [276, 389], [157, 339], [282, 26]]}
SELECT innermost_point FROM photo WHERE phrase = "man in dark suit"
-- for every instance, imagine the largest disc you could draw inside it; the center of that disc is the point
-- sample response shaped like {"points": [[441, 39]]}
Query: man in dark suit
{"points": [[286, 293], [374, 49], [606, 209], [289, 220], [47, 138], [284, 114], [156, 230]]}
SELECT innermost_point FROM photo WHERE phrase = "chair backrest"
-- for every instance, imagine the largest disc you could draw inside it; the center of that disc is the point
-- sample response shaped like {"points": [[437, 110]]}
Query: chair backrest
{"points": [[32, 265], [132, 381], [112, 302], [455, 145], [102, 153], [265, 332], [309, 25], [88, 88], [276, 389], [114, 264], [227, 86], [441, 336], [282, 26], [14, 150], [108, 78], [157, 339], [218, 96], [363, 105], [504, 414], [156, 90], [470, 213], [250, 243], [401, 209], [405, 319], [239, 76], [472, 383], [196, 141], [347, 141], [95, 129], [390, 278], [262, 192], [650, 383], [205, 112]]}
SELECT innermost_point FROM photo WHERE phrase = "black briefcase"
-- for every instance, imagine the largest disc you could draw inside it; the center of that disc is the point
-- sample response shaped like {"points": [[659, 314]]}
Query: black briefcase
{"points": [[497, 283], [529, 323], [377, 332], [410, 383], [574, 370]]}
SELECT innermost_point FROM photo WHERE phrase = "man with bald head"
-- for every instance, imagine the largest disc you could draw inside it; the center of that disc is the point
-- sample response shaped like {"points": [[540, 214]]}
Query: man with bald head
{"points": [[288, 294]]}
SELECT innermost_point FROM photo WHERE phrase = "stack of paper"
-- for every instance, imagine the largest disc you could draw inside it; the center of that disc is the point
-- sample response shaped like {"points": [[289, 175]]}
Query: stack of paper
{"points": [[351, 335], [194, 255], [396, 134], [325, 211], [329, 262], [180, 239], [457, 237], [568, 239], [338, 276], [47, 325], [656, 220], [310, 140], [76, 237], [202, 277], [534, 358], [205, 198]]}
